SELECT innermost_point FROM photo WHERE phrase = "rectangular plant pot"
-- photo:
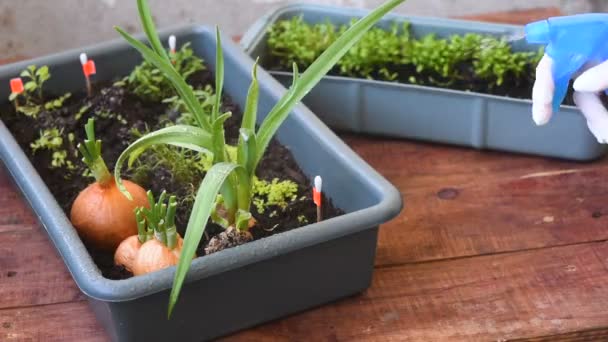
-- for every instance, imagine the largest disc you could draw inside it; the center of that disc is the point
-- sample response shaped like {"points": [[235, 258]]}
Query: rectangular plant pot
{"points": [[238, 287], [428, 113]]}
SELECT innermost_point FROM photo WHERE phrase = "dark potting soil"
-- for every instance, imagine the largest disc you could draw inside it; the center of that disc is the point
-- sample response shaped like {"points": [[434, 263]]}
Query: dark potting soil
{"points": [[117, 111]]}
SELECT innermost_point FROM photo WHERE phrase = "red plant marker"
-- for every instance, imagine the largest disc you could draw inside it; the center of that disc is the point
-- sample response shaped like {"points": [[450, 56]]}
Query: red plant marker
{"points": [[17, 85], [16, 88], [172, 42], [317, 196], [88, 69]]}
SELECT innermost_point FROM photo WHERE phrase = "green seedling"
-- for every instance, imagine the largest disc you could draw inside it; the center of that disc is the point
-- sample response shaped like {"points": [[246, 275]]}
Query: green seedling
{"points": [[32, 93], [57, 103], [232, 179], [376, 52], [32, 90], [294, 41], [149, 82], [442, 61], [51, 140], [205, 97]]}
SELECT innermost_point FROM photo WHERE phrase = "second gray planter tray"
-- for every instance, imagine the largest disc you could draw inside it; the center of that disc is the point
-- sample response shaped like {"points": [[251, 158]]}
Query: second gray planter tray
{"points": [[426, 113]]}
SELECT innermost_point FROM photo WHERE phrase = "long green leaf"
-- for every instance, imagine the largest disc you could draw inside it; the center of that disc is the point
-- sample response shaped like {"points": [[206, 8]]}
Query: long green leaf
{"points": [[219, 75], [180, 85], [148, 24], [315, 72], [201, 210], [247, 150], [251, 105], [181, 135], [219, 141]]}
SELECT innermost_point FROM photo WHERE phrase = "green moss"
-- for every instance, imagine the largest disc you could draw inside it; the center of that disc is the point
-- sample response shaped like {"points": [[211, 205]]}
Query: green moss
{"points": [[185, 165], [275, 193]]}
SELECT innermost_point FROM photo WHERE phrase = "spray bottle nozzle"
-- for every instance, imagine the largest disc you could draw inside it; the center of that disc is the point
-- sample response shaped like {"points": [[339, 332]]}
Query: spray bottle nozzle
{"points": [[538, 32], [570, 42]]}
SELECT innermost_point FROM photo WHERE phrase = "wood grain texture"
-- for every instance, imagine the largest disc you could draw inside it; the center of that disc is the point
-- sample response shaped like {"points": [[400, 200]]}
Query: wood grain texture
{"points": [[461, 202], [13, 209], [486, 298], [64, 322], [31, 272]]}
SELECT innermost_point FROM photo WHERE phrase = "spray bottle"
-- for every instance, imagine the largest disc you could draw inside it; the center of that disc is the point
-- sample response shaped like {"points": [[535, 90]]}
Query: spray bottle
{"points": [[571, 41]]}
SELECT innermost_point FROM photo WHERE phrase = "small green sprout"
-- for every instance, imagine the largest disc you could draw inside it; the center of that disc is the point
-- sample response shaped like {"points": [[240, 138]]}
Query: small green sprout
{"points": [[91, 155], [60, 160], [50, 139], [302, 219], [37, 77], [57, 103], [150, 84], [110, 115], [295, 42], [34, 99], [82, 111], [205, 97], [158, 220]]}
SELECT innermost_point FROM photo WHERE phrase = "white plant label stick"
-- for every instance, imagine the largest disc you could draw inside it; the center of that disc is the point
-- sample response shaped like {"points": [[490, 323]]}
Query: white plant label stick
{"points": [[317, 196]]}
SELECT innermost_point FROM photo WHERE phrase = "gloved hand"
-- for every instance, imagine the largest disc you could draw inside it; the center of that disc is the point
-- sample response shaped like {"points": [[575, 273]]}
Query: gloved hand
{"points": [[587, 84]]}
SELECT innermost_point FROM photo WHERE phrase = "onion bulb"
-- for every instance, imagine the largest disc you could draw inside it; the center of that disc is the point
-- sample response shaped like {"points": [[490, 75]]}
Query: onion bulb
{"points": [[101, 214], [127, 252], [157, 244], [154, 255]]}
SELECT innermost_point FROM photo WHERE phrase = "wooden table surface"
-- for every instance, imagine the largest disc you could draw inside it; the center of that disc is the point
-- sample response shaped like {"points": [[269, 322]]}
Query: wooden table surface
{"points": [[491, 246]]}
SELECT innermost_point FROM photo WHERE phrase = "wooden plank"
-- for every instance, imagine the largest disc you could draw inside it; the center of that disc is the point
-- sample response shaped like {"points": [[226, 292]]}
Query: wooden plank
{"points": [[600, 334], [461, 202], [517, 214], [492, 298], [31, 272], [49, 323], [13, 209], [412, 165]]}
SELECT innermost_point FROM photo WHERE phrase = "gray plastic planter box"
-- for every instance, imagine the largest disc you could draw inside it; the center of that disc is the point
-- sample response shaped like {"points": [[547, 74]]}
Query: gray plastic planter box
{"points": [[238, 287], [427, 113]]}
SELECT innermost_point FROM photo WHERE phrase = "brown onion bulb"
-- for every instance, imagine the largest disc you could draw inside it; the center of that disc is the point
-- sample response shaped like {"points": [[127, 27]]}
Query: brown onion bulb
{"points": [[154, 255], [104, 217], [127, 252]]}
